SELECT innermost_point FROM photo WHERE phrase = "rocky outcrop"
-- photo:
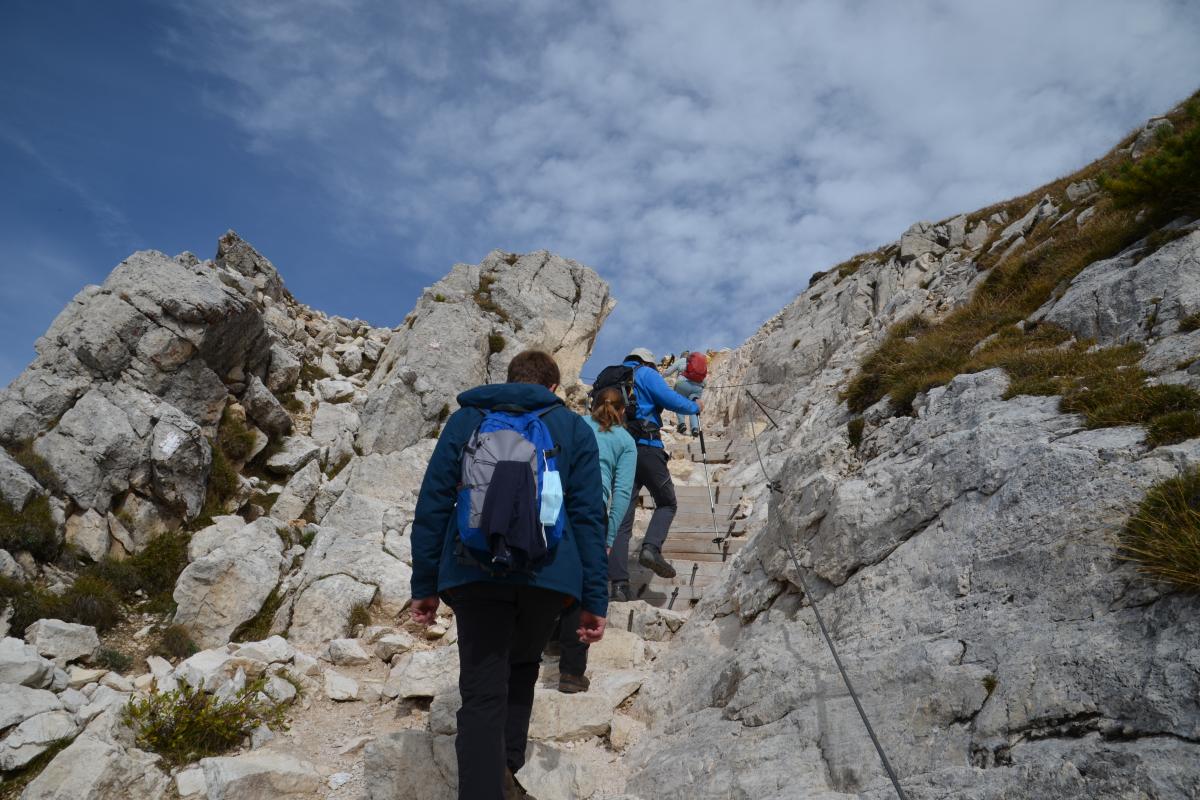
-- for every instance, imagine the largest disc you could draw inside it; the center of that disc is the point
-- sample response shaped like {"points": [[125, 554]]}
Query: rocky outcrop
{"points": [[467, 327], [963, 557]]}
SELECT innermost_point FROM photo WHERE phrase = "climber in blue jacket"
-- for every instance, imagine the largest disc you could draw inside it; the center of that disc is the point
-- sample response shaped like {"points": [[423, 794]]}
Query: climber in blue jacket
{"points": [[653, 397]]}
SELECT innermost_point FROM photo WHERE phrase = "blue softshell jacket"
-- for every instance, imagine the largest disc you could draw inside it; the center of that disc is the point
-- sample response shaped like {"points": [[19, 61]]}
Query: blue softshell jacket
{"points": [[580, 566], [654, 396]]}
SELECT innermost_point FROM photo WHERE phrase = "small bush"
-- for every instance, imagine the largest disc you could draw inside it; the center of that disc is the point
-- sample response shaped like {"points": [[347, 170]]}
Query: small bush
{"points": [[187, 724], [360, 614], [990, 683], [32, 528], [495, 344], [1190, 323], [174, 641], [92, 601], [1163, 536], [154, 570], [115, 660], [311, 373], [234, 438], [292, 403], [854, 430], [259, 626], [1167, 178], [439, 298]]}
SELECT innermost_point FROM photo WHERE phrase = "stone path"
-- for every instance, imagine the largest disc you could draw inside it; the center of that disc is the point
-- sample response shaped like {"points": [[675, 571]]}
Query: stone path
{"points": [[702, 537]]}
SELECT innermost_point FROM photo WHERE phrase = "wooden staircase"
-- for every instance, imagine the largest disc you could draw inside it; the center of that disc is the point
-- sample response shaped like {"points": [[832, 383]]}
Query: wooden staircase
{"points": [[690, 545]]}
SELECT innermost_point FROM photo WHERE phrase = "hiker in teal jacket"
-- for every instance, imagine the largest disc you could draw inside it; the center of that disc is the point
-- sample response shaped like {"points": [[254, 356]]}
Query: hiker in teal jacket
{"points": [[504, 621]]}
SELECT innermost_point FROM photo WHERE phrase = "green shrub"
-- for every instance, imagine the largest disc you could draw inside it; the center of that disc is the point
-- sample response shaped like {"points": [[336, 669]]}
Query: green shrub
{"points": [[187, 724], [1190, 323], [1167, 178], [115, 660], [439, 298], [1173, 427], [154, 570], [92, 601], [495, 344], [32, 528], [854, 431], [1163, 536], [234, 438], [174, 641], [259, 626]]}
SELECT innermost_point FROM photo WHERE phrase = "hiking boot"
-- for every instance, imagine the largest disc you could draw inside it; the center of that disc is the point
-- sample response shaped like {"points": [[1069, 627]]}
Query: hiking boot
{"points": [[695, 432], [514, 790], [572, 684], [651, 558], [620, 592], [681, 427]]}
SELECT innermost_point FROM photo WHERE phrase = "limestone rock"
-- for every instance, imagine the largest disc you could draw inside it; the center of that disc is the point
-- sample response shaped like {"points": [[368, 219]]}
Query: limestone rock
{"points": [[227, 585], [284, 370], [1149, 134], [87, 532], [264, 409], [92, 769], [17, 487], [18, 703], [20, 663], [34, 736], [535, 300], [190, 782], [393, 644], [293, 454], [259, 775], [410, 765], [423, 673], [919, 240], [339, 687], [322, 611], [180, 459], [347, 653], [63, 641], [555, 771], [330, 390], [298, 493], [274, 650]]}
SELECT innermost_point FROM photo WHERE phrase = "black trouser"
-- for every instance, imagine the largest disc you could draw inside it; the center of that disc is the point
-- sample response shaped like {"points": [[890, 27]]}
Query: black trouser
{"points": [[502, 629], [573, 659], [651, 473]]}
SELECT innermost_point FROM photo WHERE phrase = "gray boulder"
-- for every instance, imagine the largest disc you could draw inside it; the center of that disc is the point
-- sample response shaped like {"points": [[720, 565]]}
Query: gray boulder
{"points": [[17, 487], [63, 641], [18, 703], [88, 534], [410, 765], [229, 578], [298, 493], [264, 409], [93, 769], [294, 452], [259, 775], [21, 663], [35, 736], [180, 461]]}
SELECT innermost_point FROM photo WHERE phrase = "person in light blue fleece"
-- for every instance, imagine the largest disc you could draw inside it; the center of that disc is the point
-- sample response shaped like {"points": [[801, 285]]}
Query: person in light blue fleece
{"points": [[618, 463]]}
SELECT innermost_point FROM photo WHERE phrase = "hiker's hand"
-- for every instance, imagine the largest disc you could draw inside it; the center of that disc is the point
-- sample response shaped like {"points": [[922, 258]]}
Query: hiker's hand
{"points": [[591, 627], [700, 405], [424, 610]]}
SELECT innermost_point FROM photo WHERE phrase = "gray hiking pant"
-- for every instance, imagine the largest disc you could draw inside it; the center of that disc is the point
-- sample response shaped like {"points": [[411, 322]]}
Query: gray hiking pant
{"points": [[653, 474]]}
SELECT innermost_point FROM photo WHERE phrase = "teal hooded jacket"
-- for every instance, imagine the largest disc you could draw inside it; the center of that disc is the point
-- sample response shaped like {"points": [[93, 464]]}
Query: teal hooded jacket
{"points": [[579, 567]]}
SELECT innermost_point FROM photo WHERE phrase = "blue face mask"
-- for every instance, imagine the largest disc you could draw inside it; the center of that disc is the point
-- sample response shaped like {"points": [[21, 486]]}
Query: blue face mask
{"points": [[552, 497]]}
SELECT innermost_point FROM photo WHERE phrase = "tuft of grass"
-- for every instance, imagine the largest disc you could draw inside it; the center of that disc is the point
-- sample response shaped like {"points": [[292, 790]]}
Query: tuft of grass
{"points": [[23, 453], [108, 658], [1163, 535], [174, 641], [89, 601], [32, 529], [360, 614], [443, 412], [259, 626], [854, 431], [483, 297], [1173, 427], [495, 344], [154, 570], [990, 683], [187, 724], [439, 298], [1190, 323], [234, 438], [310, 373]]}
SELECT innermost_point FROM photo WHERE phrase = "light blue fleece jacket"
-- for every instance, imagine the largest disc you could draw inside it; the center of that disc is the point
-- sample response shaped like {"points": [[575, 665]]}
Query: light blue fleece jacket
{"points": [[618, 461]]}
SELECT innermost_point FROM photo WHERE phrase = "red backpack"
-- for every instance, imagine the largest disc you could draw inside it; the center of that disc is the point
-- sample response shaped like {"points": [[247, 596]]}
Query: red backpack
{"points": [[697, 367]]}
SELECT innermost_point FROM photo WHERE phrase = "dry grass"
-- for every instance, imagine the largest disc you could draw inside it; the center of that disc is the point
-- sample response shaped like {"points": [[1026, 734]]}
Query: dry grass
{"points": [[1163, 537]]}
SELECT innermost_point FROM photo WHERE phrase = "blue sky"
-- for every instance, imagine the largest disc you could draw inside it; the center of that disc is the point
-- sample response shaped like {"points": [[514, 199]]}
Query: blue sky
{"points": [[704, 157]]}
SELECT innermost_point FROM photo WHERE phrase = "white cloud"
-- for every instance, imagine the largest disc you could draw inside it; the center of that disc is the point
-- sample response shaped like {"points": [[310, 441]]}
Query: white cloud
{"points": [[706, 157]]}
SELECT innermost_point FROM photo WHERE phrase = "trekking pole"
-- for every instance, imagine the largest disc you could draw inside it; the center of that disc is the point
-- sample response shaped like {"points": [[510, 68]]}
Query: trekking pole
{"points": [[776, 486], [712, 506]]}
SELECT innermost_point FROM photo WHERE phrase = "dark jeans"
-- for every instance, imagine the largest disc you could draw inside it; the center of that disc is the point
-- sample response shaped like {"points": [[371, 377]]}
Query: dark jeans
{"points": [[502, 629], [653, 474], [573, 660]]}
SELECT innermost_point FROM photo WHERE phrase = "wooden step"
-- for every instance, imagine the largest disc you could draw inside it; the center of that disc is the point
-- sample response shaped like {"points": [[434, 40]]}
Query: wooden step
{"points": [[738, 526], [686, 549]]}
